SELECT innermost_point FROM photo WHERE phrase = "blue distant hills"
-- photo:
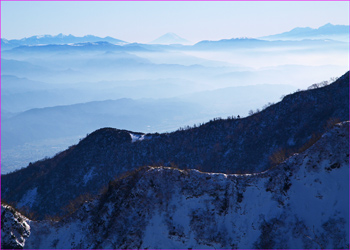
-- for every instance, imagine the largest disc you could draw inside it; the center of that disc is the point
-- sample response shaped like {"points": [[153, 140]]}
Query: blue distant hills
{"points": [[59, 39], [328, 31]]}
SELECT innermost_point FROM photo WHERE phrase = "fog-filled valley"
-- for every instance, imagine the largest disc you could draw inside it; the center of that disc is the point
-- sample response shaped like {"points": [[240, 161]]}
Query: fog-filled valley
{"points": [[55, 90]]}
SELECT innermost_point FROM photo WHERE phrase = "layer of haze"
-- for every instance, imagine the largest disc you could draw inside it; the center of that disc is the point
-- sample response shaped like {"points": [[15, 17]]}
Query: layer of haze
{"points": [[145, 21]]}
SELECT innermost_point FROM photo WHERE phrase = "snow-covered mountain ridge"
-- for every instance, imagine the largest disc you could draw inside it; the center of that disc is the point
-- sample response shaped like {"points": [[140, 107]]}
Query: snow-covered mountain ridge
{"points": [[301, 203], [58, 39]]}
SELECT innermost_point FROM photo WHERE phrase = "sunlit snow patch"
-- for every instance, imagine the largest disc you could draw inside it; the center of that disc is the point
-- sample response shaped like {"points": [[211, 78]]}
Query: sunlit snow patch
{"points": [[138, 137]]}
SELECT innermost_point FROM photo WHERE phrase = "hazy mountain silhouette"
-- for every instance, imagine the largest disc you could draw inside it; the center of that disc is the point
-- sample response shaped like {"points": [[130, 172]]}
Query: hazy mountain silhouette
{"points": [[253, 43], [328, 31], [58, 39], [170, 38]]}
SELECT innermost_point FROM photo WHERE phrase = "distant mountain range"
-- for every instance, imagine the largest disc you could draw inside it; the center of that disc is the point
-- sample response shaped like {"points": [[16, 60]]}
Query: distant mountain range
{"points": [[85, 46], [253, 43], [170, 38], [59, 39], [328, 31], [225, 44]]}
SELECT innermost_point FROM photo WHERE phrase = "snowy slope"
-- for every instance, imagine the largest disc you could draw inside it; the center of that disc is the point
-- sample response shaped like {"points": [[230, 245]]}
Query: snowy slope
{"points": [[301, 203], [15, 228]]}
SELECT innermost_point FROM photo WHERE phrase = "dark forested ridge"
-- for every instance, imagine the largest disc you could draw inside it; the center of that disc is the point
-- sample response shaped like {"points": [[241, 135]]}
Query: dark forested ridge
{"points": [[251, 144]]}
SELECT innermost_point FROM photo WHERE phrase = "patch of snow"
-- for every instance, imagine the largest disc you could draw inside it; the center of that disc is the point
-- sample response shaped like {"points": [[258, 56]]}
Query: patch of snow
{"points": [[134, 137], [139, 137], [28, 198], [156, 234], [88, 176]]}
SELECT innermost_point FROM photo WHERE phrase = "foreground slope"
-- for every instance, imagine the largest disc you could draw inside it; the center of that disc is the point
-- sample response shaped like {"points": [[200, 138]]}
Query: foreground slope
{"points": [[301, 203], [232, 145]]}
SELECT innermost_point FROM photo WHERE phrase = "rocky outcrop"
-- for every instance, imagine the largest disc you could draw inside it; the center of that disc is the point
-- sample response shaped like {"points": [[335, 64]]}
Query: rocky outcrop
{"points": [[15, 228]]}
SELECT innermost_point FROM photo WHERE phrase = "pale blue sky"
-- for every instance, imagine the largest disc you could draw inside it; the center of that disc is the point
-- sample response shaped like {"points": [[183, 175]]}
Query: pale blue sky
{"points": [[145, 21]]}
